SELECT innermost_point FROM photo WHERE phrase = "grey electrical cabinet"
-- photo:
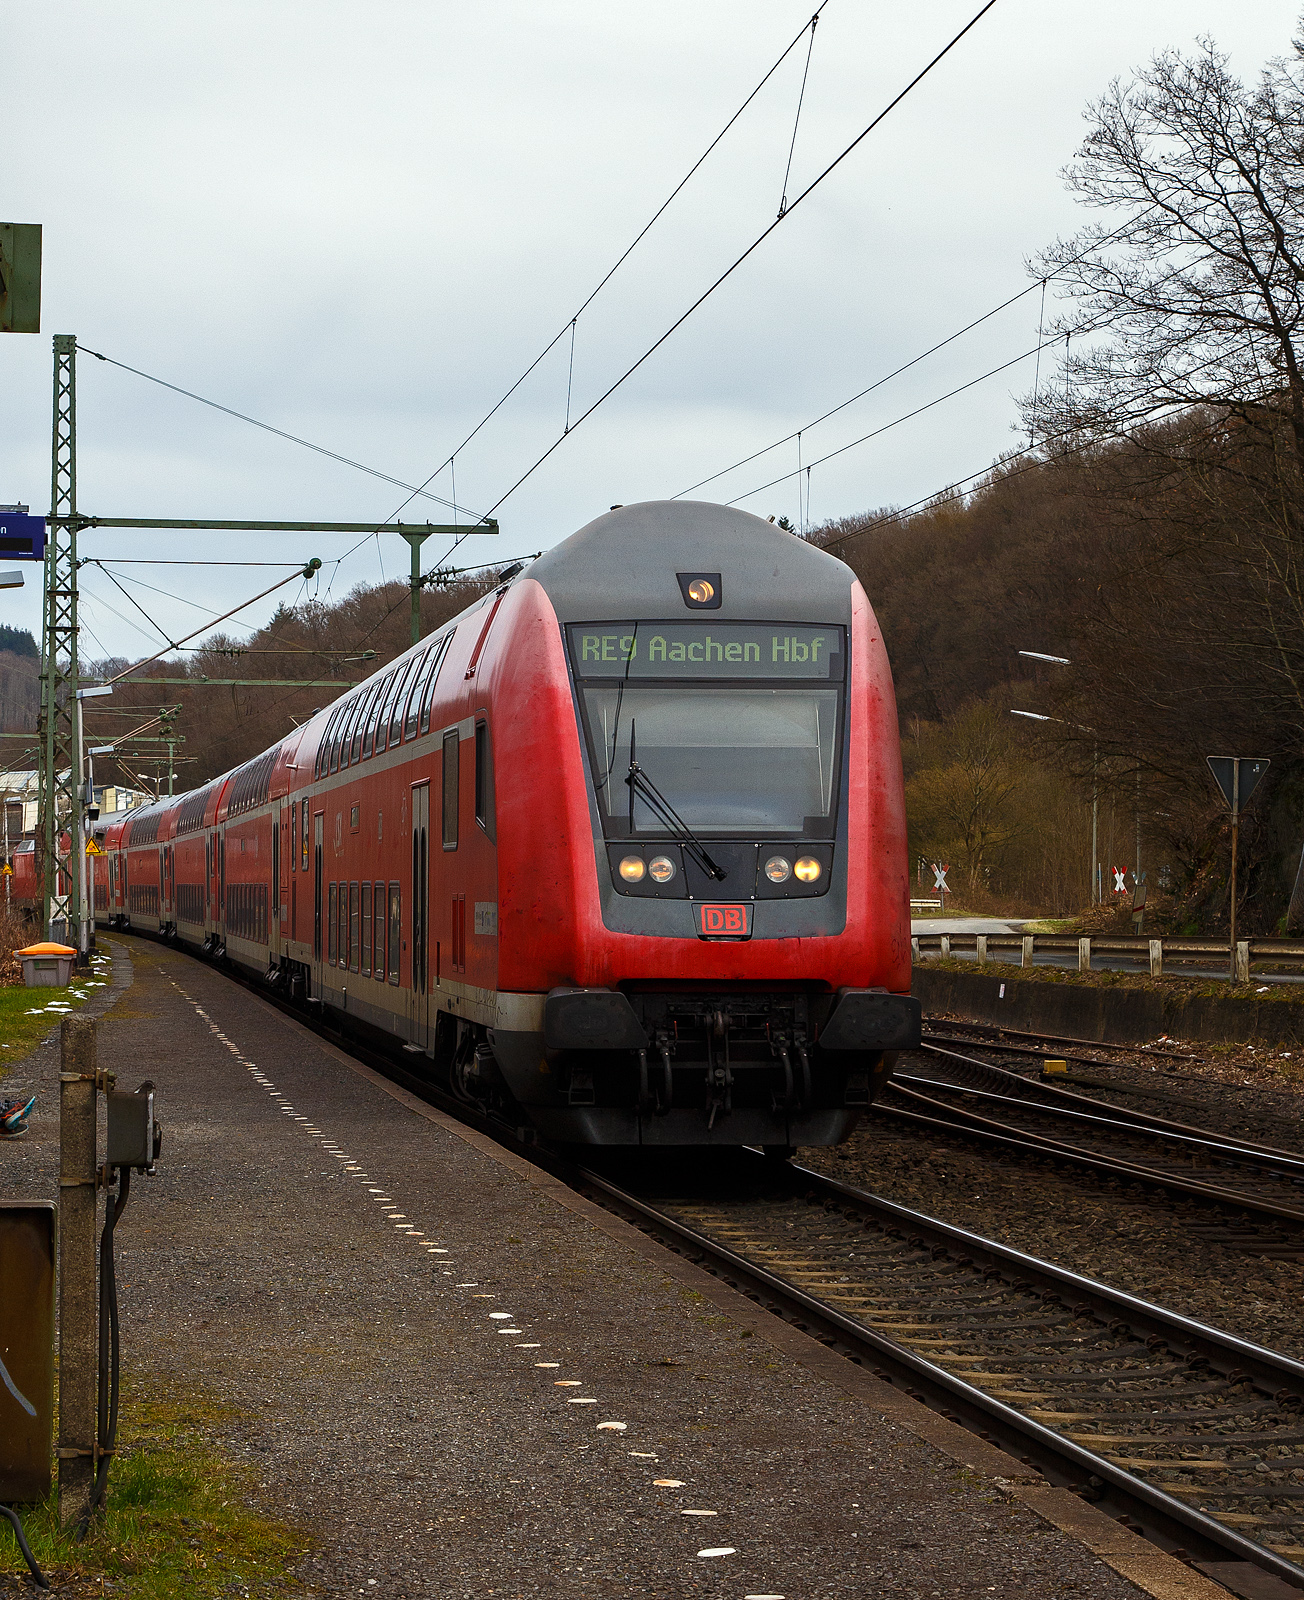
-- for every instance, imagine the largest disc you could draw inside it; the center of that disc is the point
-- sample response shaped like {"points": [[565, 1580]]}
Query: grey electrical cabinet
{"points": [[131, 1141]]}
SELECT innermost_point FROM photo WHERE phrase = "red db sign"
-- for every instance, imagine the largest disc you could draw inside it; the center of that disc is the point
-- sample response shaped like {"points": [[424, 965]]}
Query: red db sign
{"points": [[724, 922]]}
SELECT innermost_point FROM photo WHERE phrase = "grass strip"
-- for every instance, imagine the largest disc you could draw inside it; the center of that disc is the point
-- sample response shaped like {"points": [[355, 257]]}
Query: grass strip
{"points": [[27, 1015], [179, 1523]]}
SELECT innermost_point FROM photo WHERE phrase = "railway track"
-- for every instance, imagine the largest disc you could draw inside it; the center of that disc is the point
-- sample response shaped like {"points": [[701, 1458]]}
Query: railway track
{"points": [[1189, 1434], [980, 1100]]}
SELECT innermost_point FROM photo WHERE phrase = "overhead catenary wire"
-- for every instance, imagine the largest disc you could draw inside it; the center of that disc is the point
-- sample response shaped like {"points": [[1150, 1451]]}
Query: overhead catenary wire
{"points": [[751, 248], [167, 593], [267, 427], [629, 250], [169, 561], [999, 465], [895, 422], [897, 372], [243, 606]]}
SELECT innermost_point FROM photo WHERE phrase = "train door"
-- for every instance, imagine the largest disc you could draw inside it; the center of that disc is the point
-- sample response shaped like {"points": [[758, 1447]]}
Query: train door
{"points": [[419, 970], [318, 954], [277, 891]]}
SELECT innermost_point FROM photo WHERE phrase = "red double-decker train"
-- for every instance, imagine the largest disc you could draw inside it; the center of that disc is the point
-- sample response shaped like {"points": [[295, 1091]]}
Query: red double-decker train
{"points": [[619, 852]]}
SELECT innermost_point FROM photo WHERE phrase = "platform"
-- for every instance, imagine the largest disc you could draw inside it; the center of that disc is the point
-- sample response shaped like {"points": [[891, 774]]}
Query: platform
{"points": [[464, 1380]]}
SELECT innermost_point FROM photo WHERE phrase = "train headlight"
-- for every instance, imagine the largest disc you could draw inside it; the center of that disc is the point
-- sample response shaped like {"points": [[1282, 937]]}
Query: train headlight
{"points": [[778, 869], [700, 591], [633, 868], [662, 868], [808, 869]]}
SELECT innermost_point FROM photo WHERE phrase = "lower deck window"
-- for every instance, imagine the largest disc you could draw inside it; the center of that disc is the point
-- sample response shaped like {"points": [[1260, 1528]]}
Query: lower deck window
{"points": [[395, 929], [366, 930], [333, 936]]}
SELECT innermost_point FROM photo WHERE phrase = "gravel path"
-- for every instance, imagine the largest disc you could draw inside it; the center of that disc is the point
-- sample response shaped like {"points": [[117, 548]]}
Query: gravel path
{"points": [[378, 1297]]}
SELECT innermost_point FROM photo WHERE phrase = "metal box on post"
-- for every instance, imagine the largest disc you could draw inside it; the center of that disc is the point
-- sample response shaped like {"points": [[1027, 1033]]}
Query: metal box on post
{"points": [[20, 277], [130, 1129], [27, 1253]]}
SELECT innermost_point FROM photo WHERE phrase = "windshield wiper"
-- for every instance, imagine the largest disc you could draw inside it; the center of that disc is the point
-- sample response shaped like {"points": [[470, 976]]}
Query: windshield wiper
{"points": [[640, 784]]}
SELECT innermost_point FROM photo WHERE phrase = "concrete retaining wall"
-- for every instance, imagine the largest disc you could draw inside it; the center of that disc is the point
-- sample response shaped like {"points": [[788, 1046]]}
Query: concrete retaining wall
{"points": [[1121, 1015]]}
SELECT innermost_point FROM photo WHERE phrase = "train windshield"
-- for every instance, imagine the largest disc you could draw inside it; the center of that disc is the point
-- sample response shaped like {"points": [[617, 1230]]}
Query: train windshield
{"points": [[752, 750]]}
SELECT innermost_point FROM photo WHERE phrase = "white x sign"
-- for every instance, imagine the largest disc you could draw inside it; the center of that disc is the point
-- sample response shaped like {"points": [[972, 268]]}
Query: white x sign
{"points": [[1119, 874], [939, 876]]}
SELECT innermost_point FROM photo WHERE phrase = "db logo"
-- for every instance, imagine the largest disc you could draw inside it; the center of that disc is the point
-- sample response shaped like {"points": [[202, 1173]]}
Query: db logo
{"points": [[724, 922]]}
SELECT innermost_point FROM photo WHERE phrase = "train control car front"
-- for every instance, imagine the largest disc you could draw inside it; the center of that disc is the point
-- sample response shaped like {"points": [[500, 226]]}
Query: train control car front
{"points": [[709, 892]]}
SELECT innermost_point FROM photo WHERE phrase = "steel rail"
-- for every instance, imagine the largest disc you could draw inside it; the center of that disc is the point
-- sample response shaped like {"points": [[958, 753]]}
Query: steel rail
{"points": [[1036, 1093], [1085, 1465], [1205, 1139], [1055, 1038], [950, 1119]]}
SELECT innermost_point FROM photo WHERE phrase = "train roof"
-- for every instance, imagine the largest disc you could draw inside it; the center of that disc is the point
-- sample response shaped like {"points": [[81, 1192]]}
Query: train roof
{"points": [[627, 563]]}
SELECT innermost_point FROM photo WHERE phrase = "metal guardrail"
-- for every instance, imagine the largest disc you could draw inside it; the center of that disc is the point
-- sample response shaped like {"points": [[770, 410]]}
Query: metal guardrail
{"points": [[1159, 953]]}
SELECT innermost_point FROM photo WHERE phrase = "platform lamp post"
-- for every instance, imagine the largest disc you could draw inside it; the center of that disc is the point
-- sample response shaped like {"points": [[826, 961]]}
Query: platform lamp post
{"points": [[1064, 661], [77, 824]]}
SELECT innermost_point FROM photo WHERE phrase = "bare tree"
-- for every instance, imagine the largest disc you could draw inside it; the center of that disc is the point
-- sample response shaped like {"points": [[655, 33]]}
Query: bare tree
{"points": [[1191, 292]]}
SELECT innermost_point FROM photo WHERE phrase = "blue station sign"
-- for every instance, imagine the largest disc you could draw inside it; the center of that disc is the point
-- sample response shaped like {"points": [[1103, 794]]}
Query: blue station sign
{"points": [[22, 537]]}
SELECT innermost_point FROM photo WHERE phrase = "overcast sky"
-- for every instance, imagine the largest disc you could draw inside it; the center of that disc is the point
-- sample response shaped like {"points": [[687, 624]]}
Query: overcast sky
{"points": [[359, 224]]}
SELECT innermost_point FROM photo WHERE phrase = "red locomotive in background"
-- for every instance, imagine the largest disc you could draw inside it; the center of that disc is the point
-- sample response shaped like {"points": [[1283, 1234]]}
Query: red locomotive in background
{"points": [[620, 850]]}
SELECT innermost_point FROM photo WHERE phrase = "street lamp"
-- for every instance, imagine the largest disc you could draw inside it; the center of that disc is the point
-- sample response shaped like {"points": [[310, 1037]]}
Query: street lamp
{"points": [[1064, 661]]}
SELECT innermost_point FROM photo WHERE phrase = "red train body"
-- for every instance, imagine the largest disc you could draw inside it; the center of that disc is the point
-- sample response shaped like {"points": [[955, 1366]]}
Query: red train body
{"points": [[619, 851]]}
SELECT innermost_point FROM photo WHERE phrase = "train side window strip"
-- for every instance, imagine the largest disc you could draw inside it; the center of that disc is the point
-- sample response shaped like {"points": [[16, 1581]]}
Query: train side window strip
{"points": [[324, 754], [387, 711], [373, 712], [432, 678], [450, 789], [400, 699], [377, 719], [366, 930], [412, 700], [346, 729], [395, 930], [484, 779], [358, 736]]}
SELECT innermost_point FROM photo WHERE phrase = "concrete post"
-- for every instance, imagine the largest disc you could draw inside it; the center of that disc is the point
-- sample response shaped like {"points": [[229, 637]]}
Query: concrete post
{"points": [[914, 949], [1242, 961], [980, 947], [946, 946], [1156, 958], [78, 1341], [1084, 955], [1026, 960]]}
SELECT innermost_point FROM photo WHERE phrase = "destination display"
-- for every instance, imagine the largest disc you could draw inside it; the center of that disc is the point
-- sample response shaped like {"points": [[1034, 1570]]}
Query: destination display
{"points": [[705, 650]]}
